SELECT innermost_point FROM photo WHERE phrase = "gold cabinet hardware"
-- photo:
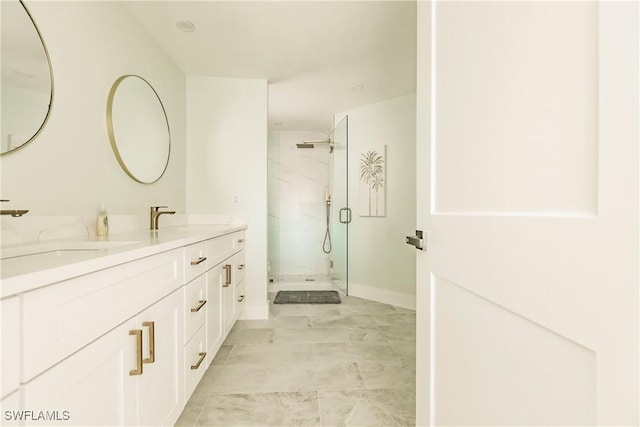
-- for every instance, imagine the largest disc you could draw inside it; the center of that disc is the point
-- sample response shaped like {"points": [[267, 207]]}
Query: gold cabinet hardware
{"points": [[241, 266], [241, 298], [199, 260], [197, 308], [152, 342], [240, 240], [202, 355], [138, 334], [227, 276]]}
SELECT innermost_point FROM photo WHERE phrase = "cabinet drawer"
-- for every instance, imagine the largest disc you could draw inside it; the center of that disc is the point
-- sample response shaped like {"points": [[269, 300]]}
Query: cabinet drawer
{"points": [[240, 267], [240, 297], [219, 249], [59, 320], [195, 306], [195, 261], [238, 240], [195, 360]]}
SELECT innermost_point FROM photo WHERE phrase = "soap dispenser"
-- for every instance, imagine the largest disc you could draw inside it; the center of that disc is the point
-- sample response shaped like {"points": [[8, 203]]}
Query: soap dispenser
{"points": [[103, 222]]}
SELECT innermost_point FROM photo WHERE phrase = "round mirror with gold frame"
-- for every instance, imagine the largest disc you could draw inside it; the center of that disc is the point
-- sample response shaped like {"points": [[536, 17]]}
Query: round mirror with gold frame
{"points": [[138, 129], [27, 77]]}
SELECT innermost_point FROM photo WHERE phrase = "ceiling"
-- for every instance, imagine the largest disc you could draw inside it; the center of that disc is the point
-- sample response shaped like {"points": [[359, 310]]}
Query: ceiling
{"points": [[319, 57]]}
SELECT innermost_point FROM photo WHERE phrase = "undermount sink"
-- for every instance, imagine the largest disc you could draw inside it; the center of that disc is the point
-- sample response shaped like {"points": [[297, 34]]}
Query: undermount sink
{"points": [[58, 248]]}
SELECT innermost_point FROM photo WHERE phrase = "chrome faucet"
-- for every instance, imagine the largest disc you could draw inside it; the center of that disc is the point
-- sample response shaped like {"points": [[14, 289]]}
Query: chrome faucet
{"points": [[13, 212], [155, 214]]}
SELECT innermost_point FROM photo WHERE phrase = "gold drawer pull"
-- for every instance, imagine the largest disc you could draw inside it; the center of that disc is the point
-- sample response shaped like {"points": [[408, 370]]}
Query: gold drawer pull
{"points": [[152, 342], [202, 356], [138, 334], [227, 276], [241, 266], [197, 308], [240, 240], [241, 298], [199, 260]]}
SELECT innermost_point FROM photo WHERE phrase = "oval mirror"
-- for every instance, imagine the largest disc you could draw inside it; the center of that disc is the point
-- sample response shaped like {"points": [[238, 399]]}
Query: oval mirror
{"points": [[27, 79], [138, 129]]}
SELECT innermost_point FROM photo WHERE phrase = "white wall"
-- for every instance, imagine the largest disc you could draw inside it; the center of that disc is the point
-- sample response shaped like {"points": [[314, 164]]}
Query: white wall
{"points": [[69, 169], [297, 209], [381, 264], [23, 119], [227, 166]]}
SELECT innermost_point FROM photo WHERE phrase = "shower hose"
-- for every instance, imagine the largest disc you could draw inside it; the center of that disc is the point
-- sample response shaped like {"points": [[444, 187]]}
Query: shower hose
{"points": [[326, 244]]}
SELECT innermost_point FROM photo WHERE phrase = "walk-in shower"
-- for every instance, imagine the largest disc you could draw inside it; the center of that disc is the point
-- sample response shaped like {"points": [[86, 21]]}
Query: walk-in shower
{"points": [[306, 195]]}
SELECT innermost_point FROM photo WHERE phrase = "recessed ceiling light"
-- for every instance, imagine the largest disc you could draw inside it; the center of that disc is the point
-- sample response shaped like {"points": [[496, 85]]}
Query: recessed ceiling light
{"points": [[186, 26], [357, 88]]}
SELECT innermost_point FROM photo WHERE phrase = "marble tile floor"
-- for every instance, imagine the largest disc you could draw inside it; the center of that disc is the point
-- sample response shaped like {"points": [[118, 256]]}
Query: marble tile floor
{"points": [[349, 364]]}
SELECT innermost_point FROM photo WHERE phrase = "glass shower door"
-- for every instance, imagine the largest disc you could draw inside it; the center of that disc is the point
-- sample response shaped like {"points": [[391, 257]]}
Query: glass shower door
{"points": [[340, 212]]}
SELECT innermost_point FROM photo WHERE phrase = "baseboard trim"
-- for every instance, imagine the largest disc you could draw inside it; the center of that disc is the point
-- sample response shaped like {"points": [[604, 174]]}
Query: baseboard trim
{"points": [[255, 312], [382, 295]]}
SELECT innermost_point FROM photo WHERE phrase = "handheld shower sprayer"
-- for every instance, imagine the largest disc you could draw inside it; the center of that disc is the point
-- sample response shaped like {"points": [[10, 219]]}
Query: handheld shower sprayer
{"points": [[326, 244]]}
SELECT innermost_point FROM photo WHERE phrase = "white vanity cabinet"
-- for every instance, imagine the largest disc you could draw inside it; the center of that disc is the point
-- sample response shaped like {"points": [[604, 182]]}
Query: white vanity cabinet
{"points": [[125, 344]]}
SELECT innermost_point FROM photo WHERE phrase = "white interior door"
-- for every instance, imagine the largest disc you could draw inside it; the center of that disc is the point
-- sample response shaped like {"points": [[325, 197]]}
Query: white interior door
{"points": [[528, 132]]}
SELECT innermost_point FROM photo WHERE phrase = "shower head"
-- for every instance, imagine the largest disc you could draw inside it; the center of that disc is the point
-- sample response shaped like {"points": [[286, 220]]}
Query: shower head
{"points": [[312, 144]]}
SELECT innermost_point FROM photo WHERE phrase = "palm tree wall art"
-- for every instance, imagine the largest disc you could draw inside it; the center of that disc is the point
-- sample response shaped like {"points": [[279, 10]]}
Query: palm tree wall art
{"points": [[372, 183]]}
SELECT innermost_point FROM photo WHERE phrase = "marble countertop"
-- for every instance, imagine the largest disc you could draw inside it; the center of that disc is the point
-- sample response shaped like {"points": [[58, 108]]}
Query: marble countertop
{"points": [[80, 256]]}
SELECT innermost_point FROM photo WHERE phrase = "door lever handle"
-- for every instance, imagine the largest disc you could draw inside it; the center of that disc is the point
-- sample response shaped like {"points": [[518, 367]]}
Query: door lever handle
{"points": [[417, 240]]}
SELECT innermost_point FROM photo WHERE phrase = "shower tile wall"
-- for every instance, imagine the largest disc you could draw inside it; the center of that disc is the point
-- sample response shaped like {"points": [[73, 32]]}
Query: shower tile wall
{"points": [[296, 205]]}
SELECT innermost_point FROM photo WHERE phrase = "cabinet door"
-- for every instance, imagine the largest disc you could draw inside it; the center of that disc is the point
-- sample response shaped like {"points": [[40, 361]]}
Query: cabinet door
{"points": [[161, 385], [93, 385], [10, 409], [228, 293], [195, 306], [215, 280], [10, 338]]}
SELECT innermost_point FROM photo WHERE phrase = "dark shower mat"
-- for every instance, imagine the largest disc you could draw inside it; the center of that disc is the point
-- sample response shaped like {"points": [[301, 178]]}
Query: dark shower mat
{"points": [[307, 297]]}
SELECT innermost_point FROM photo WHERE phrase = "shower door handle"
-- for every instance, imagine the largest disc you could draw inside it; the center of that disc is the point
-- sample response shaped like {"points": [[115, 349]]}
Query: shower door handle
{"points": [[418, 240], [348, 216]]}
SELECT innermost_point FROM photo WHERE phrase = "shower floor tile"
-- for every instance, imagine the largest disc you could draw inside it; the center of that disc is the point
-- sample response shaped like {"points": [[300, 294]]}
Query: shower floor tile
{"points": [[312, 365]]}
